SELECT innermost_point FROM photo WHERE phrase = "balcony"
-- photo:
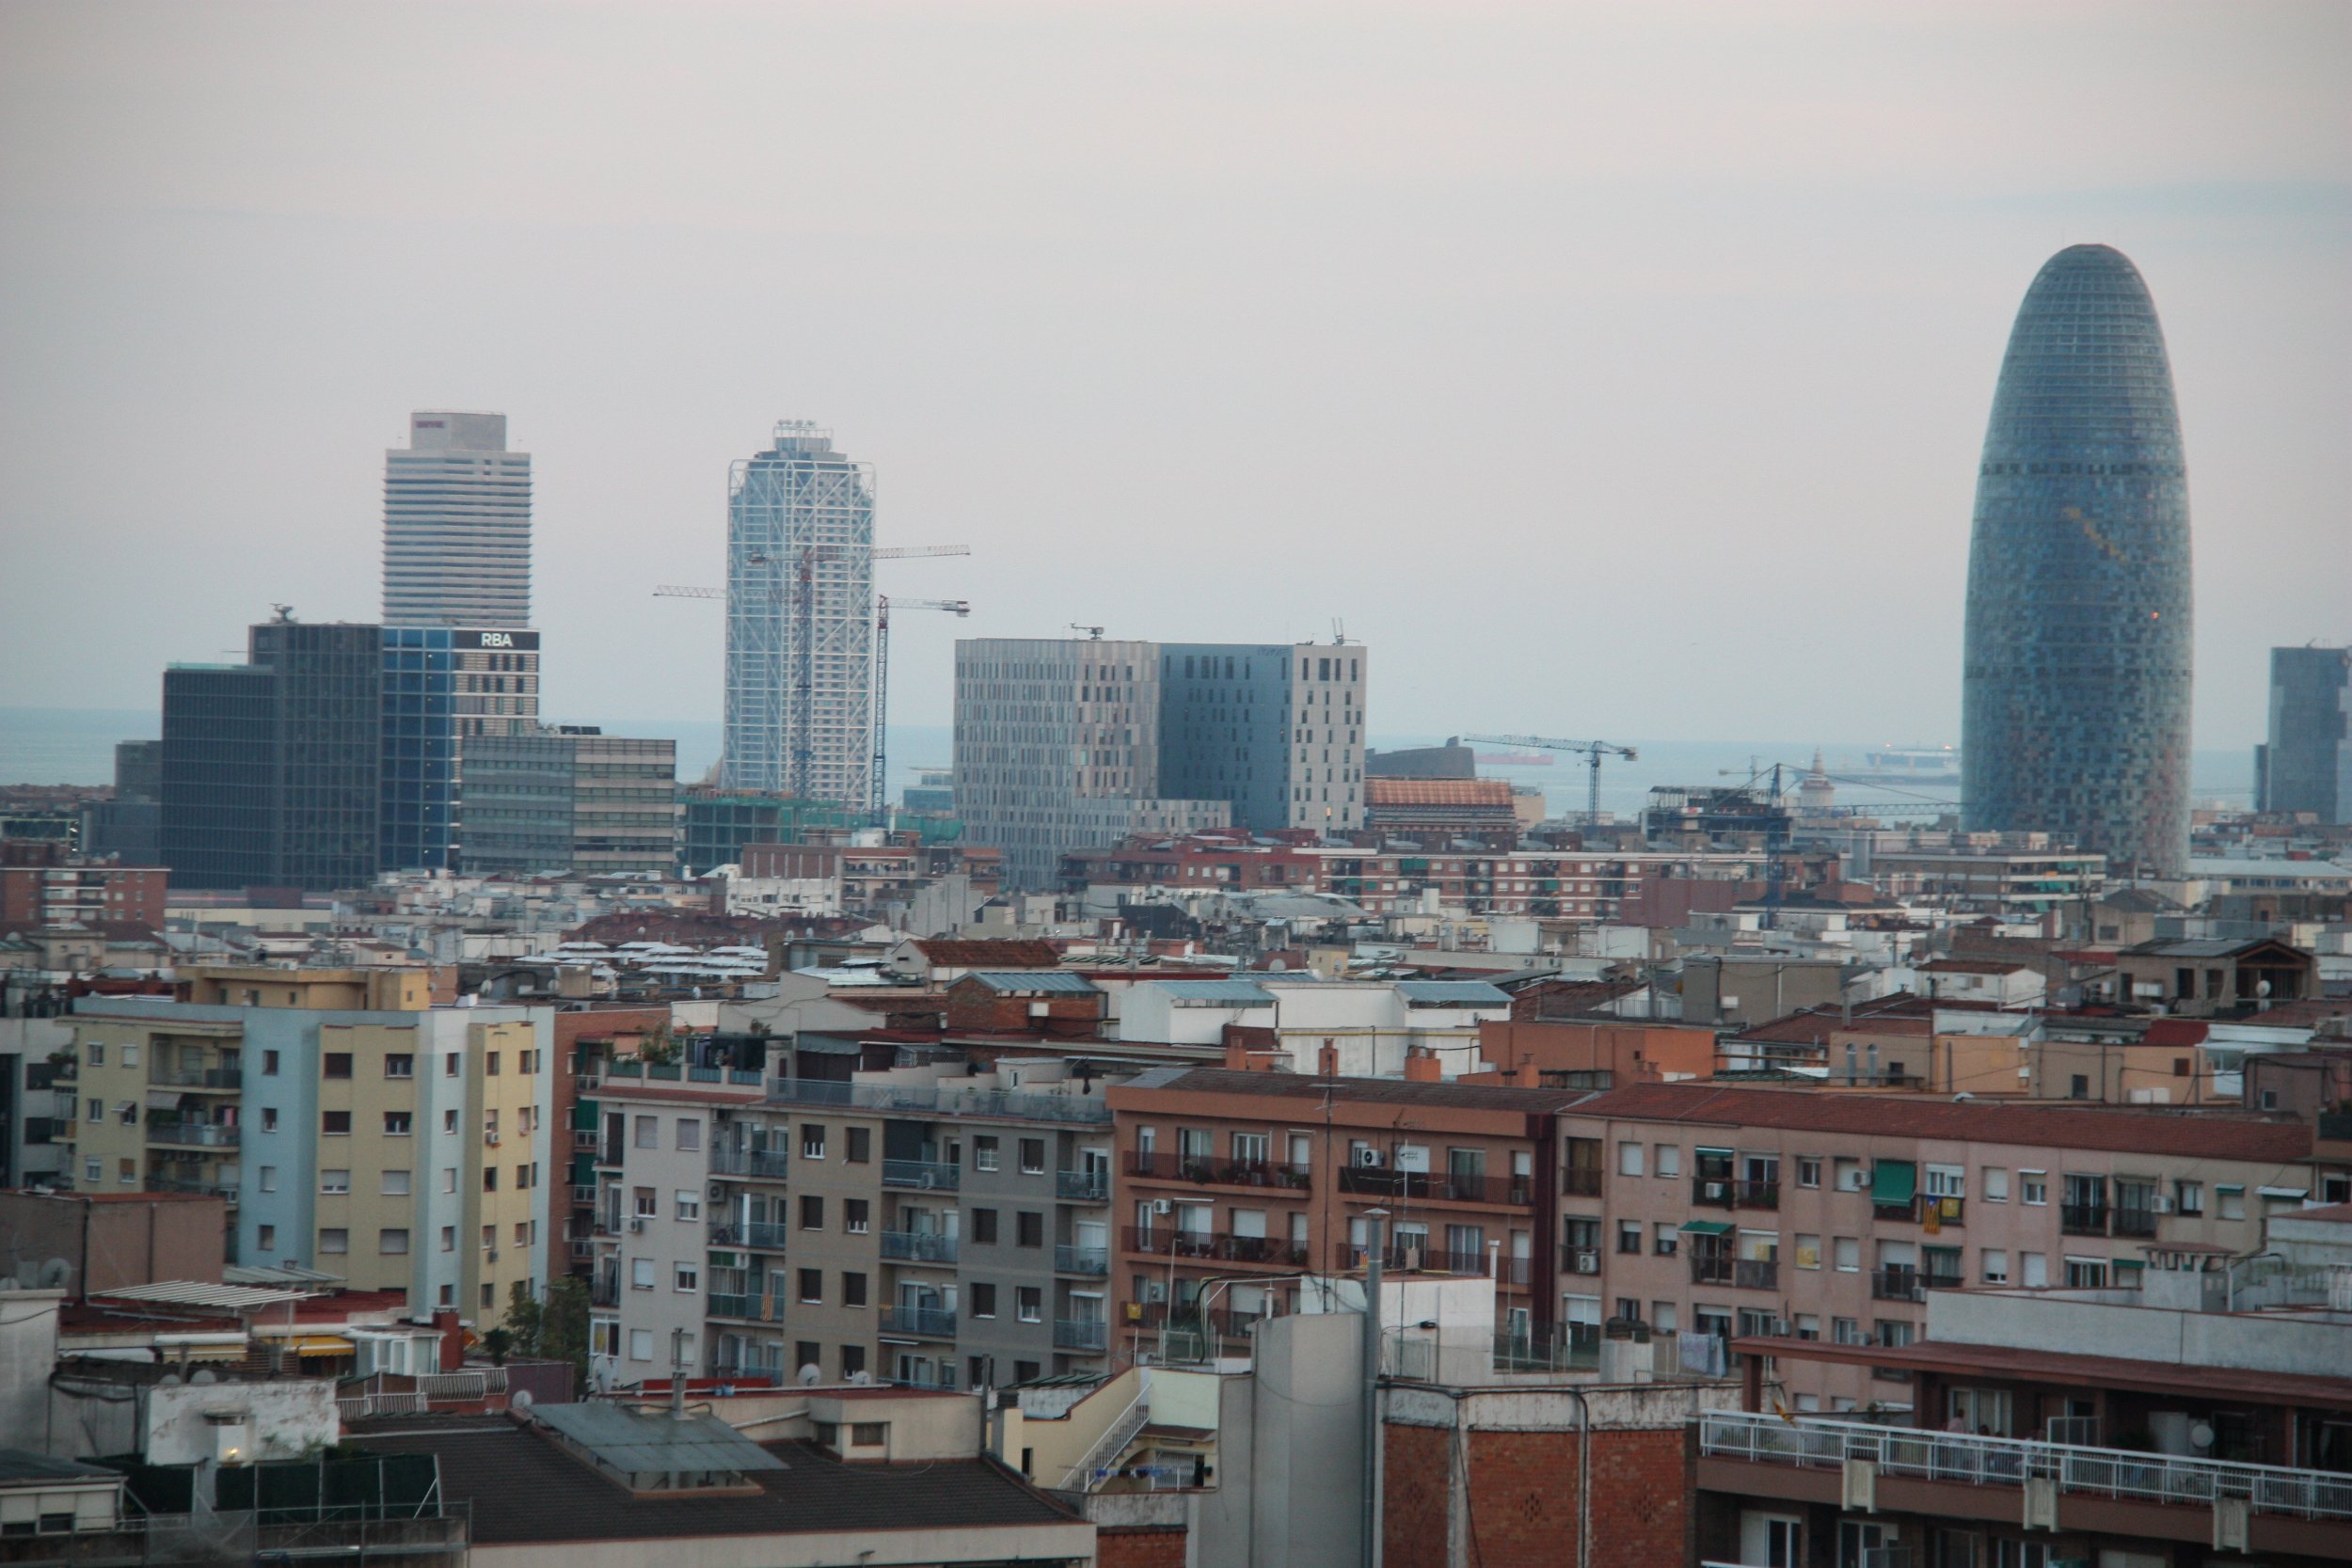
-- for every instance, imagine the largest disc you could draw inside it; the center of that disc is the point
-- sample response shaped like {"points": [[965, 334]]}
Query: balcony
{"points": [[765, 1164], [1710, 1192], [2292, 1512], [759, 1235], [1208, 1171], [2136, 1221], [924, 1323], [1092, 1261], [1899, 1211], [745, 1306], [1755, 1194], [1081, 1334], [192, 1135], [2083, 1219], [1409, 1256], [1938, 1210], [1188, 1319], [1710, 1268], [1083, 1186], [918, 1247], [1002, 1103], [1438, 1186], [604, 1293], [198, 1078], [1756, 1274], [155, 1183], [1219, 1245], [930, 1176], [1897, 1284]]}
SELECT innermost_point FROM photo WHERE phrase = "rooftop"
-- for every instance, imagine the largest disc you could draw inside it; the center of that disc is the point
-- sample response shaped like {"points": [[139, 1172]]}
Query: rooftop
{"points": [[987, 952], [1374, 1091]]}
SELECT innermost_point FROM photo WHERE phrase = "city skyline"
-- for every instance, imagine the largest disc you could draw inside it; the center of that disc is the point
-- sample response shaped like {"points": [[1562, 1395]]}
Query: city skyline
{"points": [[1821, 338]]}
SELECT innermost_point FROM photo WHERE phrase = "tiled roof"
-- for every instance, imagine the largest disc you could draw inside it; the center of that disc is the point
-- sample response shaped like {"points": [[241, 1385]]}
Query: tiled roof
{"points": [[2199, 1135], [1394, 1091], [1392, 792], [521, 1488], [1043, 982], [987, 952]]}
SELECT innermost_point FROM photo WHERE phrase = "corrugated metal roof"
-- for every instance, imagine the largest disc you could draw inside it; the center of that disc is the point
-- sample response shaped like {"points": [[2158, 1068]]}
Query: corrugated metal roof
{"points": [[639, 1443], [1214, 993], [1052, 982], [191, 1293], [280, 1274], [1451, 994]]}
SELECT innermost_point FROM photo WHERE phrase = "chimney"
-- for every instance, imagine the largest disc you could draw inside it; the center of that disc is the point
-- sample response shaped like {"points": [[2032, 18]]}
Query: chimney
{"points": [[453, 1339], [1421, 1067], [1327, 1060]]}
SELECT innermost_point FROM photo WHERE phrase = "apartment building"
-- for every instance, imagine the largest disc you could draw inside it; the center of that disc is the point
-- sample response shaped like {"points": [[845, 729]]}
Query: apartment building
{"points": [[1830, 1216], [1236, 1187], [1358, 1028], [42, 885], [352, 1125]]}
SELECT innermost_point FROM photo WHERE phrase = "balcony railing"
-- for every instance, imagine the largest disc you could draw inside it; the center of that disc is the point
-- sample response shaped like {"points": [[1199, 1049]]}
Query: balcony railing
{"points": [[1081, 1334], [1710, 1268], [1573, 1349], [1897, 1284], [1083, 1186], [1220, 1245], [762, 1235], [1207, 1169], [604, 1293], [2136, 1221], [1406, 1256], [769, 1164], [1712, 1192], [198, 1135], [1981, 1461], [2083, 1219], [1002, 1103], [929, 1323], [917, 1246], [1217, 1324], [1755, 1194], [927, 1175], [1438, 1186], [177, 1184], [1093, 1262], [1943, 1209], [1756, 1274], [198, 1078]]}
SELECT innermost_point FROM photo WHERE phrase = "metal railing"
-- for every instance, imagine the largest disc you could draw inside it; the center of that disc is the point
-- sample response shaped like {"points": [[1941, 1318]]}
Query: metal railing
{"points": [[176, 1184], [1218, 1244], [1083, 1333], [929, 1175], [930, 1323], [198, 1078], [2083, 1219], [770, 1164], [1438, 1186], [1756, 1274], [1981, 1461], [917, 1246], [764, 1235], [751, 1306], [1083, 1186], [198, 1135], [1091, 1260], [1003, 1103], [1897, 1284], [1161, 1165]]}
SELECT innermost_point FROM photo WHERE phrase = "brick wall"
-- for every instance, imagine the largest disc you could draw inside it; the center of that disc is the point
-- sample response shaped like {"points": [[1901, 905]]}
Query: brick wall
{"points": [[1415, 1494], [1152, 1546], [1522, 1502]]}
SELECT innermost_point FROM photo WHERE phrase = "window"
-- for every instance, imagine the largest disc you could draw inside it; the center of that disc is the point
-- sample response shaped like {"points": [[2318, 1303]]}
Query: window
{"points": [[525, 1232], [641, 1274], [1029, 1228], [450, 1065], [399, 1064], [1992, 1262], [812, 1212], [689, 1204], [449, 1179], [641, 1344], [335, 1124], [983, 1299], [690, 1133], [647, 1133], [336, 1063], [2232, 1201], [807, 1353], [1664, 1239], [2085, 1274], [1033, 1156], [984, 1152], [856, 1216], [391, 1243], [2033, 1186], [489, 1179], [395, 1183], [449, 1238], [334, 1243], [1808, 1170], [686, 1277], [1947, 1181], [1844, 1331], [91, 1170], [98, 1052], [858, 1145], [813, 1286], [269, 1118], [984, 1227], [2188, 1197], [1847, 1251], [1808, 1251], [852, 1288], [1993, 1182], [812, 1140], [334, 1182], [265, 1237], [269, 1064], [2034, 1270], [449, 1122], [269, 1179], [1630, 1236], [1028, 1304], [1629, 1159], [396, 1124], [1667, 1159]]}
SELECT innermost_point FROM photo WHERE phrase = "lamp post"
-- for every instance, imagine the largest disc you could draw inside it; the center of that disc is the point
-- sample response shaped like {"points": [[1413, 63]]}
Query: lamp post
{"points": [[1373, 1220]]}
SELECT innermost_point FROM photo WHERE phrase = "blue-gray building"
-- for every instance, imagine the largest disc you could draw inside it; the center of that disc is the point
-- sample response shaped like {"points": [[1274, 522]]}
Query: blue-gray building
{"points": [[2306, 764], [1274, 729], [2075, 687]]}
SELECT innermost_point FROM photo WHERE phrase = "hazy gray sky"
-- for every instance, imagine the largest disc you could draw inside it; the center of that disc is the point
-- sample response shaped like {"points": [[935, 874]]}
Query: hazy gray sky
{"points": [[1614, 371]]}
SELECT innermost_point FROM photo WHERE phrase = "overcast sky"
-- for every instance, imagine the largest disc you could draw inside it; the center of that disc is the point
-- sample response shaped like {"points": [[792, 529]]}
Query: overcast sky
{"points": [[1614, 371]]}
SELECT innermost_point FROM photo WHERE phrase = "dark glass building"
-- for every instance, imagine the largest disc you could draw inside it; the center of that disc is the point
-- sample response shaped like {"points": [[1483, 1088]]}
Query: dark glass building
{"points": [[218, 775], [2306, 766], [329, 748], [2075, 688], [417, 800]]}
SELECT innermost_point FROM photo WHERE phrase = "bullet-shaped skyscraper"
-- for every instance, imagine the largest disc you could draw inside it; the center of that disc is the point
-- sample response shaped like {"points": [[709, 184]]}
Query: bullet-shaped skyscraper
{"points": [[2075, 688]]}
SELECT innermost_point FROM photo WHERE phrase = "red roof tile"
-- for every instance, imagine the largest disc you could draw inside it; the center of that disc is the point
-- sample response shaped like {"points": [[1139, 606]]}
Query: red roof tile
{"points": [[1379, 791], [988, 953]]}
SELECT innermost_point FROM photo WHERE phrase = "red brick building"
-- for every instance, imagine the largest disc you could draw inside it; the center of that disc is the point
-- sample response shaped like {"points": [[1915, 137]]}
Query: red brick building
{"points": [[62, 889]]}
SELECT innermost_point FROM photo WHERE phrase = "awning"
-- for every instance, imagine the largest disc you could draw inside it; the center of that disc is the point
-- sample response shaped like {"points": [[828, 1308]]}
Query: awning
{"points": [[1704, 1148], [1893, 1181], [322, 1344], [1706, 1227], [2295, 1192]]}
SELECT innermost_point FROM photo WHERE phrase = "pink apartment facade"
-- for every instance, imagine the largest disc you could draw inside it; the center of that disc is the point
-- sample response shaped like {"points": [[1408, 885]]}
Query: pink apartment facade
{"points": [[1751, 1212]]}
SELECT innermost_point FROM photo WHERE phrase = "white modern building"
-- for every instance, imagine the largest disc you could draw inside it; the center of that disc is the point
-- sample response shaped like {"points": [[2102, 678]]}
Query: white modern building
{"points": [[456, 525], [799, 671]]}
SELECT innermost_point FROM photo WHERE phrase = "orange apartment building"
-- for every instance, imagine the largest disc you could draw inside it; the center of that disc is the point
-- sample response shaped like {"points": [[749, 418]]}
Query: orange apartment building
{"points": [[1237, 1186]]}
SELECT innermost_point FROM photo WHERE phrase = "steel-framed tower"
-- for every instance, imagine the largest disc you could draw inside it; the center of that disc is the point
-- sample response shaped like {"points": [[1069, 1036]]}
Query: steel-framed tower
{"points": [[799, 667]]}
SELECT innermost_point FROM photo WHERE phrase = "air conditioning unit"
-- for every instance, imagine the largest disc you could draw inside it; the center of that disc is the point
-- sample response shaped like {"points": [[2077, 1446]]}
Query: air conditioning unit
{"points": [[494, 1255], [2164, 1206], [717, 1191], [1715, 1189], [490, 1138], [1162, 1206], [637, 1225], [1587, 1263], [1367, 1156]]}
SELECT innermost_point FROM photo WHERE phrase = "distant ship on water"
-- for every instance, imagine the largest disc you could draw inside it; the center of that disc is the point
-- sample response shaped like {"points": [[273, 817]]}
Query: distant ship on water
{"points": [[1908, 764], [1515, 759]]}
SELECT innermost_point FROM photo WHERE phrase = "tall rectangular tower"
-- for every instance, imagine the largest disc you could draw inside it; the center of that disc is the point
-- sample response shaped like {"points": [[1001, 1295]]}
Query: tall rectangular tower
{"points": [[1276, 729], [800, 672], [2307, 764], [456, 525]]}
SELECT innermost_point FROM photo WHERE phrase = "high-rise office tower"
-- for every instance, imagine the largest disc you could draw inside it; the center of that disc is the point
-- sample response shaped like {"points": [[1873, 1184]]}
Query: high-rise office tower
{"points": [[2307, 763], [799, 672], [1276, 729], [456, 525], [2075, 689]]}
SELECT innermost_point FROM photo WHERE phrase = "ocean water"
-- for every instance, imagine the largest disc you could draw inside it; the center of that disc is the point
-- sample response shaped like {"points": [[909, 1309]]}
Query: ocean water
{"points": [[76, 746]]}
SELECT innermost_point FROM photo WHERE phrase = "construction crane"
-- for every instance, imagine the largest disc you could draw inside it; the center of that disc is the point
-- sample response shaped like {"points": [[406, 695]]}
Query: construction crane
{"points": [[1094, 634], [803, 651], [881, 688], [1593, 750]]}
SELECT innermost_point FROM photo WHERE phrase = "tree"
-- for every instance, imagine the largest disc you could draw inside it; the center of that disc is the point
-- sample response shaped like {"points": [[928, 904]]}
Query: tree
{"points": [[526, 1320], [563, 1325], [497, 1341]]}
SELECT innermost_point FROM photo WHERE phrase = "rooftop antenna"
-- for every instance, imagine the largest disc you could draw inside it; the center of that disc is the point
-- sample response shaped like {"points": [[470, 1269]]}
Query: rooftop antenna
{"points": [[1339, 631], [282, 614], [1094, 634]]}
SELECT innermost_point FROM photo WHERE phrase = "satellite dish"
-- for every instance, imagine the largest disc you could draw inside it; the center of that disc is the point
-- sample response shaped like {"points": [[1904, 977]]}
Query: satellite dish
{"points": [[861, 1379], [2201, 1435], [810, 1375], [204, 1375], [518, 1400], [54, 1273], [169, 1380]]}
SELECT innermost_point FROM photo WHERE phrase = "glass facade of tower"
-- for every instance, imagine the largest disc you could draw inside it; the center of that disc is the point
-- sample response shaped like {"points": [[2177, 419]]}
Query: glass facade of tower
{"points": [[2076, 684], [420, 794]]}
